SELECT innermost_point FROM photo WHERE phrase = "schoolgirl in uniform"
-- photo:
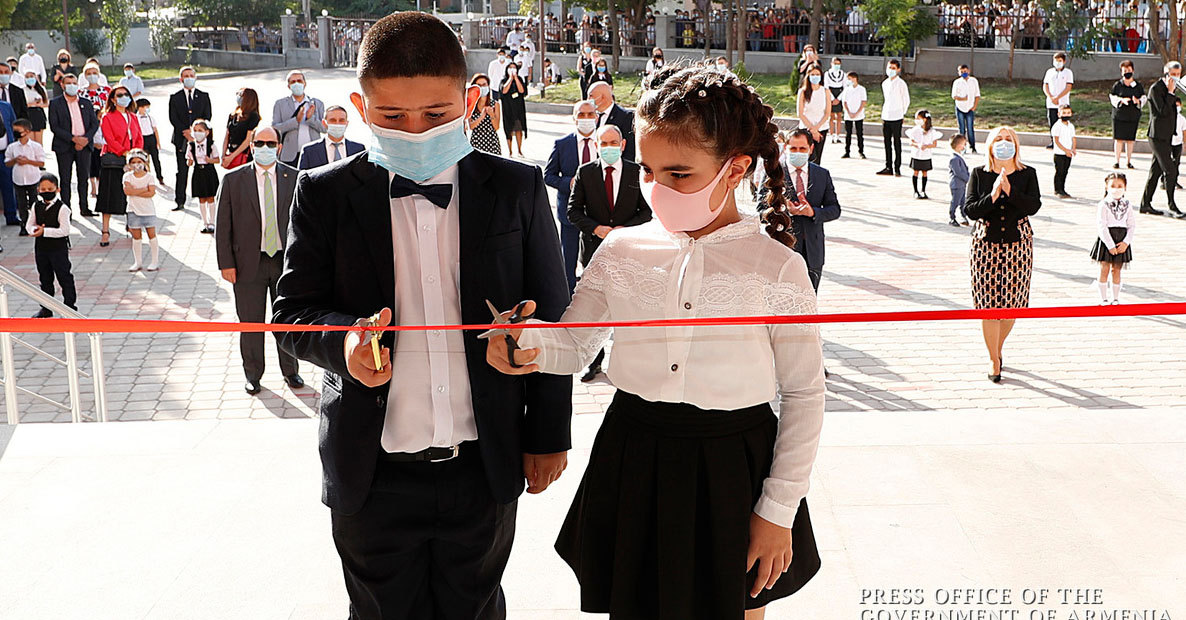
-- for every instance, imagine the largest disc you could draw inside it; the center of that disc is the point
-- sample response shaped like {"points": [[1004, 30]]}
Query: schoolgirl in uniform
{"points": [[693, 503], [1116, 220], [203, 155], [923, 138]]}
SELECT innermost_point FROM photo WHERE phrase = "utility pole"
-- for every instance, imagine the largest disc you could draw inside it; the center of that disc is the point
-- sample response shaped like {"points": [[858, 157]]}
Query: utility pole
{"points": [[66, 23]]}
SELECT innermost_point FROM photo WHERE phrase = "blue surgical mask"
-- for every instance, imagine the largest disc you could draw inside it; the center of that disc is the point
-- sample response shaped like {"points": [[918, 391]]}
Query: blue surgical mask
{"points": [[1003, 149], [264, 155], [797, 160], [5, 79], [188, 82], [71, 89], [30, 51], [483, 91], [814, 79], [335, 130], [964, 74], [93, 78], [601, 69], [419, 156], [610, 154], [123, 102], [129, 72], [297, 88], [30, 81]]}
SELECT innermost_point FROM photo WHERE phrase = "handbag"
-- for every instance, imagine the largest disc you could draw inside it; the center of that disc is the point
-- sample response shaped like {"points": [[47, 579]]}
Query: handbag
{"points": [[111, 160]]}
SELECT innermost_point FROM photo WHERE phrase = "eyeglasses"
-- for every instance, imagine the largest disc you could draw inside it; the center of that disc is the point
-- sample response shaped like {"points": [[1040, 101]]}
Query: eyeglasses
{"points": [[262, 143]]}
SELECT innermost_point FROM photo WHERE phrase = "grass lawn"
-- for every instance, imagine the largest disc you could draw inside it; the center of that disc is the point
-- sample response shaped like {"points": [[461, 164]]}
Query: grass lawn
{"points": [[153, 71], [1019, 104]]}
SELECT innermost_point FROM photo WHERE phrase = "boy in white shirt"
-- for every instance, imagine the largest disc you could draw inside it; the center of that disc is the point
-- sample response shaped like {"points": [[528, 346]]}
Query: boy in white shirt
{"points": [[965, 90], [854, 98], [25, 156], [1057, 87], [893, 110], [1176, 141], [1063, 136]]}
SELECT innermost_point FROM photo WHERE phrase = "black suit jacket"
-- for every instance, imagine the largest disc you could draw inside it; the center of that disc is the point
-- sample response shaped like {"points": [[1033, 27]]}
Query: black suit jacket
{"points": [[240, 228], [1163, 112], [181, 117], [16, 98], [61, 126], [623, 119], [314, 155], [588, 206], [339, 267]]}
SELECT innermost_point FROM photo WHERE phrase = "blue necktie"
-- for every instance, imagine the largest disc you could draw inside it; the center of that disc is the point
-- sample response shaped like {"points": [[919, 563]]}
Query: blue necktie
{"points": [[438, 195]]}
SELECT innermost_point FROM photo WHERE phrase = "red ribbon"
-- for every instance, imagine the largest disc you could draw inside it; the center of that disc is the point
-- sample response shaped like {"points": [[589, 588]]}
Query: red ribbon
{"points": [[136, 326]]}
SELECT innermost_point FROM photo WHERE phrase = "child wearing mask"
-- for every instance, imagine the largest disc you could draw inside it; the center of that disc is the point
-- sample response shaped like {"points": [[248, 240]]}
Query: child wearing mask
{"points": [[957, 180], [202, 155], [692, 476], [25, 156], [835, 81], [49, 225], [923, 139], [1116, 220], [1063, 135], [141, 192], [854, 98], [152, 138]]}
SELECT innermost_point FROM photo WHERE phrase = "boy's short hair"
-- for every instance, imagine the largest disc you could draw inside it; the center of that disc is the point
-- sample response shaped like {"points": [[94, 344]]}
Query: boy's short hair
{"points": [[141, 102], [410, 44], [1060, 56], [963, 67], [853, 74], [957, 138], [23, 123], [895, 62], [1065, 106], [48, 176]]}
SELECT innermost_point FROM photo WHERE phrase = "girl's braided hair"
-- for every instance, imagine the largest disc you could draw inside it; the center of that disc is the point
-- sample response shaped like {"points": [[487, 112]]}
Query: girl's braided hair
{"points": [[697, 105]]}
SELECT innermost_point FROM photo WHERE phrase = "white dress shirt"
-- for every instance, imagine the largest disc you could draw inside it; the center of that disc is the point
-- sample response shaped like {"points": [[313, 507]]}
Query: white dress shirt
{"points": [[616, 175], [63, 228], [969, 88], [263, 209], [646, 272], [329, 149], [852, 97], [1115, 214], [897, 99], [25, 174], [303, 137], [429, 402], [1058, 80], [32, 63]]}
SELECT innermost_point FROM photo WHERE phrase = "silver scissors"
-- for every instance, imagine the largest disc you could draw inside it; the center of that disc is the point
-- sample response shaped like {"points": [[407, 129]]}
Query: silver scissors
{"points": [[517, 316]]}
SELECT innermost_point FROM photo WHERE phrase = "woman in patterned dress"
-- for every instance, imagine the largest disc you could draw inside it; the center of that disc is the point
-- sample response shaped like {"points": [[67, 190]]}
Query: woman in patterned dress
{"points": [[1002, 195], [483, 123]]}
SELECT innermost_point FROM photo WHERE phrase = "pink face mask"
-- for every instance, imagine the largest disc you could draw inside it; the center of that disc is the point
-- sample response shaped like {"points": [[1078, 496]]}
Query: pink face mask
{"points": [[680, 212]]}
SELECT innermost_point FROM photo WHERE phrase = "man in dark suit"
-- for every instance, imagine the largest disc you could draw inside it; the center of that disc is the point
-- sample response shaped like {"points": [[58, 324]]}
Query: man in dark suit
{"points": [[73, 123], [610, 113], [12, 91], [185, 105], [811, 199], [606, 196], [253, 205], [7, 190], [568, 154], [1163, 123], [425, 453], [334, 146]]}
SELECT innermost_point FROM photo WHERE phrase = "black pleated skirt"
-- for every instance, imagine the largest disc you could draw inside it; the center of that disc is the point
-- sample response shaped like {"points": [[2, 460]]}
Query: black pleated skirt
{"points": [[205, 181], [111, 198], [659, 528], [1100, 253]]}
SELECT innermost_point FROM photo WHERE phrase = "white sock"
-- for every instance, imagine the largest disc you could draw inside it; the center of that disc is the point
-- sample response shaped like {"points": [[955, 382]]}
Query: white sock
{"points": [[135, 253], [1103, 291], [1116, 291], [156, 252]]}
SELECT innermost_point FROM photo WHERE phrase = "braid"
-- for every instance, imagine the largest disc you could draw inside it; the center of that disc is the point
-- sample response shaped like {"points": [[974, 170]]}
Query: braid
{"points": [[696, 105]]}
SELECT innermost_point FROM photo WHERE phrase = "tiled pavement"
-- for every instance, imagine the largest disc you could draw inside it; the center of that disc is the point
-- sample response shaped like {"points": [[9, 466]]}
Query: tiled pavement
{"points": [[886, 252]]}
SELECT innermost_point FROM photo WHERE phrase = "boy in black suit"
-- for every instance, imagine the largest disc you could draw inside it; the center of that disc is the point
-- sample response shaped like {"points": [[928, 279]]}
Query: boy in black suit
{"points": [[425, 453]]}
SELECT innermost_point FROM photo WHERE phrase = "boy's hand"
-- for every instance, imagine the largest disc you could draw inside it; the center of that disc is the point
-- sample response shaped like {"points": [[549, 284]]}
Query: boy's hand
{"points": [[38, 230], [360, 360]]}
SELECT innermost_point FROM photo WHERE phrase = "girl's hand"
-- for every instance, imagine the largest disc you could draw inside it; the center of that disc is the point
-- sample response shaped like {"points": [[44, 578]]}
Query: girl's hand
{"points": [[496, 349], [770, 549], [1121, 247]]}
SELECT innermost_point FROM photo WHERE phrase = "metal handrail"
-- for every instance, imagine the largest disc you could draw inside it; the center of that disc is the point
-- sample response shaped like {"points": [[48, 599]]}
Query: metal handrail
{"points": [[9, 279]]}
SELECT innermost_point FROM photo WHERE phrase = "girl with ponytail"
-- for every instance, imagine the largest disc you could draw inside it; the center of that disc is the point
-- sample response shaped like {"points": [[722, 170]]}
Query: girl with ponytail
{"points": [[693, 505]]}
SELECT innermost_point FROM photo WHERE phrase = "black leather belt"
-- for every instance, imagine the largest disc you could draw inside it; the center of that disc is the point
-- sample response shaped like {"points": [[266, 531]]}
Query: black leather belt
{"points": [[429, 455]]}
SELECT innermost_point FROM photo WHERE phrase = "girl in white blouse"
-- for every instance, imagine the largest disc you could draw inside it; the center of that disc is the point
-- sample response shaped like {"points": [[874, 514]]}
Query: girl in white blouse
{"points": [[1115, 221], [693, 501], [813, 104]]}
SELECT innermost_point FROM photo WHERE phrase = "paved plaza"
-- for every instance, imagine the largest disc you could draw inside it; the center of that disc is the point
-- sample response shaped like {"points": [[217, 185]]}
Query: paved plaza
{"points": [[1068, 474]]}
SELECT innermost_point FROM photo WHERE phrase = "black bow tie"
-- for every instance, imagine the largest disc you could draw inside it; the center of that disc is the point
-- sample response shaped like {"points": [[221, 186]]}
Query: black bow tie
{"points": [[439, 195]]}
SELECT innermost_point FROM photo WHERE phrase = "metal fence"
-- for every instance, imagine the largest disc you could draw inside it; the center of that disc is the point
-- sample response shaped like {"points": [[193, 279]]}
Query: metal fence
{"points": [[346, 37], [786, 33], [1110, 30]]}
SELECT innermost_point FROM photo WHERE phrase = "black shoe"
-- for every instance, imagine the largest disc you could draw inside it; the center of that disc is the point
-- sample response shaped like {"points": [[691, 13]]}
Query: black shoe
{"points": [[1063, 195], [953, 223], [885, 172], [1151, 211], [1050, 146], [1116, 166], [43, 314], [252, 387], [897, 173], [179, 208], [591, 374], [86, 213], [863, 156], [294, 381], [1174, 212], [1131, 167], [24, 232], [924, 196], [845, 156], [994, 378]]}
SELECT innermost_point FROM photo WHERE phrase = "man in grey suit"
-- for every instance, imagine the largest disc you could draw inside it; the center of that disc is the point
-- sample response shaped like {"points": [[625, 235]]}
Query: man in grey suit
{"points": [[252, 226], [297, 118]]}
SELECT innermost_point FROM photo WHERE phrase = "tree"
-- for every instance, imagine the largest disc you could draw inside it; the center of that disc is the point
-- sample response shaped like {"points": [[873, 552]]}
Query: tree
{"points": [[900, 23], [1071, 30], [817, 10], [1168, 52], [117, 16], [161, 35], [6, 9]]}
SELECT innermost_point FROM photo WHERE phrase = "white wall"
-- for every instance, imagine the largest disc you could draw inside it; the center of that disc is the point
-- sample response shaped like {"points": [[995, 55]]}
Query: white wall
{"points": [[137, 49]]}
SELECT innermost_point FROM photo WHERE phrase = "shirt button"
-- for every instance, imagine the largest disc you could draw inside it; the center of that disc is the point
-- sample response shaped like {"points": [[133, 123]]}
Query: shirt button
{"points": [[431, 279], [441, 389], [674, 367], [687, 305], [435, 333], [426, 228]]}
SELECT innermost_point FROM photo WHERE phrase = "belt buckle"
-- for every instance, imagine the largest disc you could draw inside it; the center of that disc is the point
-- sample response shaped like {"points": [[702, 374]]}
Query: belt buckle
{"points": [[456, 450]]}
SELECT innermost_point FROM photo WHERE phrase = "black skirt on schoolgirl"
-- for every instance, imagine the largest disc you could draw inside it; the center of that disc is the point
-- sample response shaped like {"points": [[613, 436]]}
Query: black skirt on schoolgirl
{"points": [[204, 183], [659, 528], [1100, 253], [922, 165]]}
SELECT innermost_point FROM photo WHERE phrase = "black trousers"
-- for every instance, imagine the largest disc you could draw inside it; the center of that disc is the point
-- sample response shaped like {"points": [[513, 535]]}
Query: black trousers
{"points": [[154, 151], [891, 133], [1062, 164], [859, 126], [182, 178], [1163, 165], [817, 147], [251, 304], [56, 264], [68, 161], [26, 195], [430, 543], [1052, 116]]}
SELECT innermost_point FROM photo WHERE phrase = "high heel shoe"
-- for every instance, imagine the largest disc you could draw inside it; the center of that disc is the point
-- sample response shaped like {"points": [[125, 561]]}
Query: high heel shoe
{"points": [[994, 378], [104, 241]]}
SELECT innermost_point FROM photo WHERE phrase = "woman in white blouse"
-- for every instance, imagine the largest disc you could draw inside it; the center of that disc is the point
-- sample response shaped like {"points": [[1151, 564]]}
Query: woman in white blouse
{"points": [[813, 103], [694, 497]]}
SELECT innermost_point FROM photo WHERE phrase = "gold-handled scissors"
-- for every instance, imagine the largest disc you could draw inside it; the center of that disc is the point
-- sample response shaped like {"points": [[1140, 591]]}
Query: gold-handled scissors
{"points": [[517, 316], [375, 349]]}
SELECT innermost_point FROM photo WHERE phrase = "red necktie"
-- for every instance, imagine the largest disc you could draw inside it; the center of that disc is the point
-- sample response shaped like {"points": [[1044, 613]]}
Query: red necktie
{"points": [[800, 188], [585, 155], [609, 187]]}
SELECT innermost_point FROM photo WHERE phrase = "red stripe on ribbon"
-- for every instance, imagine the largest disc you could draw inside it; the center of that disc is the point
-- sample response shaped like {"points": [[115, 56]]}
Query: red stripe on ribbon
{"points": [[139, 326]]}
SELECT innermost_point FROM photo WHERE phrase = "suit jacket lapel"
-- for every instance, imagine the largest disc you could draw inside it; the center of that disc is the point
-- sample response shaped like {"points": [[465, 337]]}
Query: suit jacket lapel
{"points": [[476, 202], [371, 203], [250, 185], [285, 182]]}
